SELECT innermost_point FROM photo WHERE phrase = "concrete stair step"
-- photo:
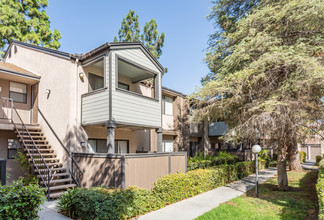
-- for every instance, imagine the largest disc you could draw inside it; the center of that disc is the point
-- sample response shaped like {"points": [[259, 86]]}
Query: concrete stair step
{"points": [[66, 186], [58, 181]]}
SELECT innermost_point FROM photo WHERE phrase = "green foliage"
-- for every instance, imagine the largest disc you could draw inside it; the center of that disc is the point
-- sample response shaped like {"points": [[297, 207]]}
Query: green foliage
{"points": [[130, 32], [24, 165], [318, 159], [26, 21], [302, 156], [202, 162], [320, 189], [19, 201], [272, 163], [104, 203]]}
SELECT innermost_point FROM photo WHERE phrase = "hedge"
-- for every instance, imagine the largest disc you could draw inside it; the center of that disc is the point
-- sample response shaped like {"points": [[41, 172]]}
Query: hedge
{"points": [[201, 162], [320, 189], [19, 201], [104, 203]]}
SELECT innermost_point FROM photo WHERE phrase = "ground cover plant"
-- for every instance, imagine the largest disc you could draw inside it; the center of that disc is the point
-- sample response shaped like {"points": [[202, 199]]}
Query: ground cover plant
{"points": [[320, 189], [300, 202], [104, 203]]}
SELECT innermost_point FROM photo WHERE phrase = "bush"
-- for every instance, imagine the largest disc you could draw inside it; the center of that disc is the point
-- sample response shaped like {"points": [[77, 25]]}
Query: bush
{"points": [[104, 203], [272, 163], [318, 159], [19, 201], [320, 189], [201, 162], [302, 156]]}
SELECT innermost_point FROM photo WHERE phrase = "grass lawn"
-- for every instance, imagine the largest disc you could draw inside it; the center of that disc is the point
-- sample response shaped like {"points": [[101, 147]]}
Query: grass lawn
{"points": [[300, 202]]}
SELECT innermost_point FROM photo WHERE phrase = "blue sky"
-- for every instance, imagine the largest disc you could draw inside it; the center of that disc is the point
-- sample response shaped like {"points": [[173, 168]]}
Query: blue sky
{"points": [[86, 24]]}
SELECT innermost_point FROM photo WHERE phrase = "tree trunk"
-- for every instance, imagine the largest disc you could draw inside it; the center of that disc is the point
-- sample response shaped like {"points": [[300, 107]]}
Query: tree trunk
{"points": [[294, 162], [282, 171]]}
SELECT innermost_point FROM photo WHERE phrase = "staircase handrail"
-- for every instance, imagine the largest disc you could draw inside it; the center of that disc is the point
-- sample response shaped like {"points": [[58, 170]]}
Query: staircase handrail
{"points": [[49, 175], [65, 148]]}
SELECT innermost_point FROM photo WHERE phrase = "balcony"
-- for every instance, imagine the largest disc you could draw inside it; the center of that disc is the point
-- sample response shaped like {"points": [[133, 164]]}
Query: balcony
{"points": [[122, 90]]}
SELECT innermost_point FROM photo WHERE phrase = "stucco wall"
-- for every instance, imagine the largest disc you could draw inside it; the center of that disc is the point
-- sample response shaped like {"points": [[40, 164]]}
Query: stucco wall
{"points": [[22, 108], [14, 170]]}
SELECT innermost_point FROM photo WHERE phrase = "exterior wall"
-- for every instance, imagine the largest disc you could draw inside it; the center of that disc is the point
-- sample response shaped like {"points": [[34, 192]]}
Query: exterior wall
{"points": [[61, 107], [144, 111], [22, 108], [14, 170], [100, 171], [167, 122]]}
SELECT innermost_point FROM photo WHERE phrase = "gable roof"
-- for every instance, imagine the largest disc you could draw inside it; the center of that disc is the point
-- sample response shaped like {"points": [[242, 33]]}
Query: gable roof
{"points": [[16, 70], [90, 54]]}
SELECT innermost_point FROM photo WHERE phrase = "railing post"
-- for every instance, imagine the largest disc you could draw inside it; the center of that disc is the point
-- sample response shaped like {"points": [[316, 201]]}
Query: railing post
{"points": [[169, 162], [3, 173], [123, 172]]}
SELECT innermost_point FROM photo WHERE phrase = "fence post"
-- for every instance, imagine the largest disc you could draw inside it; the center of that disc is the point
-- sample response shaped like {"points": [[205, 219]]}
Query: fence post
{"points": [[3, 173], [169, 162], [123, 172]]}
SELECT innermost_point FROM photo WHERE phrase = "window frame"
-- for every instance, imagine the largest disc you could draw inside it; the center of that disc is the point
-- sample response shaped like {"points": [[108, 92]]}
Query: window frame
{"points": [[95, 75], [10, 149], [25, 94], [164, 102], [96, 139], [116, 145], [123, 84]]}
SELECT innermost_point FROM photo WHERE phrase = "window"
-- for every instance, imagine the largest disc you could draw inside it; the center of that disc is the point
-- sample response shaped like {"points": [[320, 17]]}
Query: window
{"points": [[95, 81], [193, 148], [167, 146], [97, 146], [18, 92], [123, 86], [13, 146], [121, 147], [167, 105]]}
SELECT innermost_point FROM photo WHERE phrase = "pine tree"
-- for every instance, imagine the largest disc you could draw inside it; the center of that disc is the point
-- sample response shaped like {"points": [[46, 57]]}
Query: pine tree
{"points": [[26, 21], [130, 32], [272, 79]]}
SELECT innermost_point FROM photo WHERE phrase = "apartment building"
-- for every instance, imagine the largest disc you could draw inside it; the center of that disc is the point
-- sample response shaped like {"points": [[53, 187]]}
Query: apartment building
{"points": [[84, 119]]}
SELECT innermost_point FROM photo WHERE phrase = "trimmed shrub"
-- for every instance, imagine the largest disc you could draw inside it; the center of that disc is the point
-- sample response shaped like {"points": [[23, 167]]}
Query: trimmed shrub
{"points": [[272, 163], [320, 189], [318, 159], [104, 203], [302, 156], [19, 201], [201, 162]]}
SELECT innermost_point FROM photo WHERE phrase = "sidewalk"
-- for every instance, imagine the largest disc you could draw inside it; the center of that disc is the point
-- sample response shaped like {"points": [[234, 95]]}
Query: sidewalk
{"points": [[196, 206], [49, 212]]}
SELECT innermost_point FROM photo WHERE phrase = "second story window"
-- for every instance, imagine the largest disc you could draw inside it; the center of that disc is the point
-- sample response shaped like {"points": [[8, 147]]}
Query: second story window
{"points": [[167, 105], [18, 92], [95, 81], [123, 86]]}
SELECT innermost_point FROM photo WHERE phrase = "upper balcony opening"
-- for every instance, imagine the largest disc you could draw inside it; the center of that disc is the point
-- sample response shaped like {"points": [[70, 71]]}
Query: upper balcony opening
{"points": [[136, 79], [96, 75]]}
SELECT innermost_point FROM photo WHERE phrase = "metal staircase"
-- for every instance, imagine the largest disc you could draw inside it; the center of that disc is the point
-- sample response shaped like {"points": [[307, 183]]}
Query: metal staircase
{"points": [[46, 166], [52, 175]]}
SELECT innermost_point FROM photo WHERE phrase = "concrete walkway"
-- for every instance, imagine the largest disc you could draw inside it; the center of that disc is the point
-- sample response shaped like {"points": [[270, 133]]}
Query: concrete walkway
{"points": [[50, 212], [308, 165], [196, 206]]}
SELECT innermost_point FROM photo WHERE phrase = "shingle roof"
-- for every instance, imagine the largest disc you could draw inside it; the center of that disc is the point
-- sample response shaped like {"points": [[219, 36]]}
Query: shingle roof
{"points": [[8, 67]]}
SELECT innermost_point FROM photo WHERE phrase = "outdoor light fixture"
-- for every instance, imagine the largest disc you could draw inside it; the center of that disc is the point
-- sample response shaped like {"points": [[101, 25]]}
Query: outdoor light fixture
{"points": [[256, 149], [81, 75]]}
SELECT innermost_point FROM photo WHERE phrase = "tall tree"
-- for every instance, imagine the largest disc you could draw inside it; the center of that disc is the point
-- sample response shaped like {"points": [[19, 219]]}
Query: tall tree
{"points": [[26, 21], [272, 80], [130, 32]]}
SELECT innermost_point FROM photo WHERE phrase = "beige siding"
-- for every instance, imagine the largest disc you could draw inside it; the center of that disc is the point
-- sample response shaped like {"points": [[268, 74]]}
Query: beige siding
{"points": [[178, 163], [100, 171], [95, 107], [143, 172]]}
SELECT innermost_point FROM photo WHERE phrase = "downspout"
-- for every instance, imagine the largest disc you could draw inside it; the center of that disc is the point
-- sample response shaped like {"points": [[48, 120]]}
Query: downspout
{"points": [[76, 104]]}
